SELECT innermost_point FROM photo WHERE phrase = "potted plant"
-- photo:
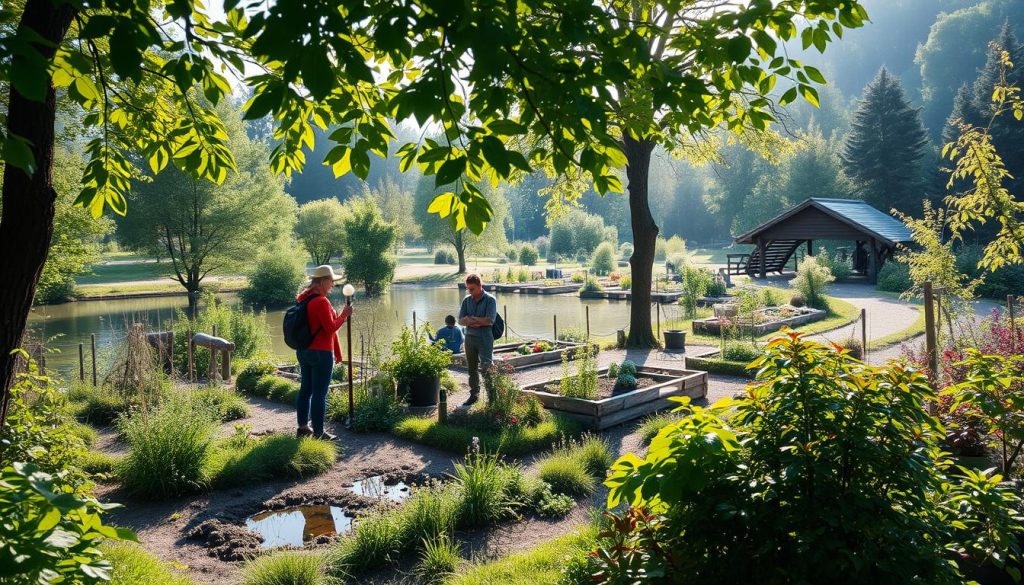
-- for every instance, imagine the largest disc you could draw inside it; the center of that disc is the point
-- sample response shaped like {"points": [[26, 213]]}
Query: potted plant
{"points": [[417, 366]]}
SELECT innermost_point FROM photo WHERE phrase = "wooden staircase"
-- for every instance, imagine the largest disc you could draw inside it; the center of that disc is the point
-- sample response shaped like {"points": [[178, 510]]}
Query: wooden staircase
{"points": [[776, 254]]}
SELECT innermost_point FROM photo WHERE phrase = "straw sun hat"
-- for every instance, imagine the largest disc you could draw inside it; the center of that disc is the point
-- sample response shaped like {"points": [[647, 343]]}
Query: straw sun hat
{"points": [[325, 270]]}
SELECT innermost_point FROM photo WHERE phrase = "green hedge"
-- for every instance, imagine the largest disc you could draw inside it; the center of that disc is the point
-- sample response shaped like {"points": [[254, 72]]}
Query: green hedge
{"points": [[720, 366]]}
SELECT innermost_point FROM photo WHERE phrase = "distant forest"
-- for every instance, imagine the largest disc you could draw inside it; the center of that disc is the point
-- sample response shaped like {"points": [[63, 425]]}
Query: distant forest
{"points": [[920, 53]]}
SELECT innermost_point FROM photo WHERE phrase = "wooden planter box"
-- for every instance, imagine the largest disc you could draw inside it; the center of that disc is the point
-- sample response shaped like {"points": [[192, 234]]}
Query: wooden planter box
{"points": [[711, 325], [625, 295], [608, 412], [506, 353]]}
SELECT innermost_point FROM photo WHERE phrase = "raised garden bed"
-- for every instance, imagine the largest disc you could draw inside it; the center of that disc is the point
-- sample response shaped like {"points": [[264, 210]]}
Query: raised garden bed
{"points": [[767, 320], [657, 386], [508, 353]]}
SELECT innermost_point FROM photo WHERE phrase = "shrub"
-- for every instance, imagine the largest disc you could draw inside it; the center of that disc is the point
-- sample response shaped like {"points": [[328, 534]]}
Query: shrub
{"points": [[626, 283], [439, 559], [542, 245], [226, 403], [740, 352], [278, 274], [696, 282], [676, 263], [628, 367], [903, 510], [717, 287], [265, 384], [547, 504], [812, 280], [603, 261], [771, 297], [855, 347], [840, 270], [249, 331], [798, 300], [287, 568], [49, 533], [625, 251], [528, 255], [894, 277], [375, 412], [660, 249], [591, 284], [594, 454], [246, 461], [40, 432], [245, 381], [579, 277], [283, 390], [169, 448], [444, 256], [133, 565]]}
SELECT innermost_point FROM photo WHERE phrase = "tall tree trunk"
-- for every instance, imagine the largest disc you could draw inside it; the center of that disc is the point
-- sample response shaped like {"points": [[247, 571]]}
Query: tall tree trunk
{"points": [[460, 251], [645, 236], [28, 201]]}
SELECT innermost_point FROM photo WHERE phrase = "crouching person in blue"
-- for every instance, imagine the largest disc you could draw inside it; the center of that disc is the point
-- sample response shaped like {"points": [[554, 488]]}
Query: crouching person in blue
{"points": [[450, 334]]}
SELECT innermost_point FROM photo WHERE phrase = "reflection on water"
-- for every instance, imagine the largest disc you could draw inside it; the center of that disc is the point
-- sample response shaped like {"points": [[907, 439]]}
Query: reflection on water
{"points": [[375, 487], [377, 319], [298, 525]]}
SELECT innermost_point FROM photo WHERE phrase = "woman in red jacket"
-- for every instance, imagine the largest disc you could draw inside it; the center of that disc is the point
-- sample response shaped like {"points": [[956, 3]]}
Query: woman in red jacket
{"points": [[316, 362]]}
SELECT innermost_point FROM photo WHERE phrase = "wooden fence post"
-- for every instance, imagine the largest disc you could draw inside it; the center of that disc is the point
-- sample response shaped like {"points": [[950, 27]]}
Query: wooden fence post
{"points": [[588, 322], [929, 339], [555, 321], [864, 334], [81, 362], [93, 341]]}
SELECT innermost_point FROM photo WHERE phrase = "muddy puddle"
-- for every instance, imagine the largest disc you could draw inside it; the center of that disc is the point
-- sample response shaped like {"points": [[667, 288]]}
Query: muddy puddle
{"points": [[299, 525], [381, 487]]}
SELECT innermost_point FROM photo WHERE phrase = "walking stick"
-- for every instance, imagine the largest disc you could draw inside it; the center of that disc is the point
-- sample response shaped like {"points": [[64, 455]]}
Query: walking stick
{"points": [[348, 290]]}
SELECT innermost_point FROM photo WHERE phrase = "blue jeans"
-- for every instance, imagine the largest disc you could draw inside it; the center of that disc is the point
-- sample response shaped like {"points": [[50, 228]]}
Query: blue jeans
{"points": [[315, 367]]}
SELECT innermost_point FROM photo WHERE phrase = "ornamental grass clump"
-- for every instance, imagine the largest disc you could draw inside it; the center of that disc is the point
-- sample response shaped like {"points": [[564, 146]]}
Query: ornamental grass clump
{"points": [[857, 473], [287, 568], [169, 448], [134, 565], [812, 280], [440, 557], [484, 482]]}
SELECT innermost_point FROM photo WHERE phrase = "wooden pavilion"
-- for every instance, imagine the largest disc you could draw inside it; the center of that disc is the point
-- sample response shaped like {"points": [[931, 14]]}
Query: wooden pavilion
{"points": [[875, 234]]}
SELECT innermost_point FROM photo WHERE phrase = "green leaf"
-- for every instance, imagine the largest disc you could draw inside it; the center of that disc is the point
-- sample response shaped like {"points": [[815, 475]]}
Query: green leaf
{"points": [[16, 152], [317, 73], [450, 171], [506, 127], [788, 97], [738, 49], [496, 155], [361, 160], [125, 56], [442, 204], [810, 94], [815, 74]]}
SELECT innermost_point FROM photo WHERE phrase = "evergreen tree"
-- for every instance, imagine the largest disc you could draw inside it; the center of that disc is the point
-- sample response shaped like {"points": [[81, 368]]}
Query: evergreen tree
{"points": [[883, 151], [1007, 133]]}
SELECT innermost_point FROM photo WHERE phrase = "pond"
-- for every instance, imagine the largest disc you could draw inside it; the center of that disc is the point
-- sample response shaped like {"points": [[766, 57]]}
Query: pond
{"points": [[379, 319]]}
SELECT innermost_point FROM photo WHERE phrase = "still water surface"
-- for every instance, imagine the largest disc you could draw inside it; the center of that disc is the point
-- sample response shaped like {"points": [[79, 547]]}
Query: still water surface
{"points": [[379, 319]]}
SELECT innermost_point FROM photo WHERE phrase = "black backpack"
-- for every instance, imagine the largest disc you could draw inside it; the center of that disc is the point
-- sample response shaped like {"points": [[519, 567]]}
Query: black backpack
{"points": [[498, 327], [296, 325]]}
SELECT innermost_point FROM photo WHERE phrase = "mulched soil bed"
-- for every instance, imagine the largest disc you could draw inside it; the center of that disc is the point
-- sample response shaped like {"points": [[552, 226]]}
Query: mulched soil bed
{"points": [[606, 386], [171, 528]]}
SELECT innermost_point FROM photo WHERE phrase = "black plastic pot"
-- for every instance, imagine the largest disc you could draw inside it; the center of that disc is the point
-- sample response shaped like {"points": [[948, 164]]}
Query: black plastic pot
{"points": [[675, 340], [424, 391]]}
